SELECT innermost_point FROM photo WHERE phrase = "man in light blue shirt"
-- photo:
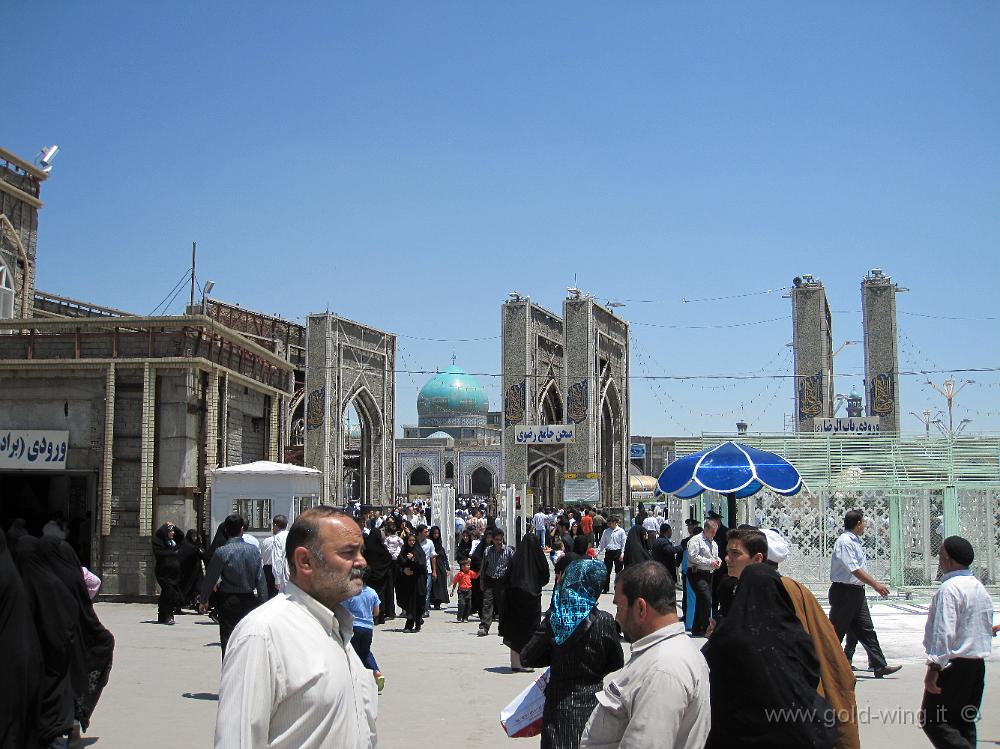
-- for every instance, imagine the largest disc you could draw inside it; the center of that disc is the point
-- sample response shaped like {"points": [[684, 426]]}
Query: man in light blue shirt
{"points": [[848, 606]]}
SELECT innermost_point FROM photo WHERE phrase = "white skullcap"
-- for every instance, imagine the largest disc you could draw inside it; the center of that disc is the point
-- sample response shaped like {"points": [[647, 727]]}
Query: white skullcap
{"points": [[777, 546]]}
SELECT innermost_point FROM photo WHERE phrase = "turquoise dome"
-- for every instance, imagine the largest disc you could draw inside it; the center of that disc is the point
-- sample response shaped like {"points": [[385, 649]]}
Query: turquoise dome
{"points": [[439, 435], [453, 393]]}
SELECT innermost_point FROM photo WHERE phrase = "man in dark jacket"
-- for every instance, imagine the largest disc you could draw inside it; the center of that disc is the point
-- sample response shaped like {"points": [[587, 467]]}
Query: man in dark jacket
{"points": [[664, 551]]}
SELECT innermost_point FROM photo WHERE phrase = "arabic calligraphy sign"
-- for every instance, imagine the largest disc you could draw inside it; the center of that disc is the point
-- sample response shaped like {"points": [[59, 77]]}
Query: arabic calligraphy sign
{"points": [[34, 449], [546, 434], [848, 425]]}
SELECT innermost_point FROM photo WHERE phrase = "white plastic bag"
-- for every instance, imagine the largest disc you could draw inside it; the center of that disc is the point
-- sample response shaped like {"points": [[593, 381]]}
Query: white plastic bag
{"points": [[523, 716]]}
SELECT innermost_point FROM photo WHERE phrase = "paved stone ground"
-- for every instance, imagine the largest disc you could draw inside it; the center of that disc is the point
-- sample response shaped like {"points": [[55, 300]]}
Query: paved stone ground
{"points": [[445, 686]]}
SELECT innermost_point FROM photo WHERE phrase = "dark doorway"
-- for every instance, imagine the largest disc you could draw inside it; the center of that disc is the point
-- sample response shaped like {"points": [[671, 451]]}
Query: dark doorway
{"points": [[37, 497], [420, 478], [482, 482]]}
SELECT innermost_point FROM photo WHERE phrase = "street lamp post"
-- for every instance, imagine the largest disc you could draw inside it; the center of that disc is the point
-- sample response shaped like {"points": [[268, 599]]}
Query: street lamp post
{"points": [[950, 389]]}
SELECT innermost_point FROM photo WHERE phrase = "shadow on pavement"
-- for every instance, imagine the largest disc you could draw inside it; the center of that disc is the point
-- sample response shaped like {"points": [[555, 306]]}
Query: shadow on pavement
{"points": [[201, 696], [499, 669]]}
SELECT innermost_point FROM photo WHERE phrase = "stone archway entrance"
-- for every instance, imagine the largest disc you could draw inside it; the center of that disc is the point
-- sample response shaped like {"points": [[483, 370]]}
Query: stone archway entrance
{"points": [[481, 482]]}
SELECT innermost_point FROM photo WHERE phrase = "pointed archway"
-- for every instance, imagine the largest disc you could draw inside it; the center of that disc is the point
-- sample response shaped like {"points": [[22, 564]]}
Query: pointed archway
{"points": [[361, 426]]}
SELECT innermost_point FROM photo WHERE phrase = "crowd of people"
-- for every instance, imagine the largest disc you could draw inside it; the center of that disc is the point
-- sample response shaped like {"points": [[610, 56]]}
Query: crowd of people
{"points": [[750, 658]]}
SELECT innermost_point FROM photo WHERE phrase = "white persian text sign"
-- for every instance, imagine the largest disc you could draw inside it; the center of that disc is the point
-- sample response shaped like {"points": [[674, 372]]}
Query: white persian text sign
{"points": [[34, 449], [545, 434], [847, 425]]}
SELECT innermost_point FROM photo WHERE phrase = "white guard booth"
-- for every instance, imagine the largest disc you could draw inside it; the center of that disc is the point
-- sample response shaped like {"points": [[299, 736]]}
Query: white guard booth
{"points": [[259, 491]]}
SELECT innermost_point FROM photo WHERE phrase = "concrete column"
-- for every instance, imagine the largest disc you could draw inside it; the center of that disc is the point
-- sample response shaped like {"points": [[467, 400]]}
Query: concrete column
{"points": [[107, 459], [223, 407], [273, 436], [211, 429], [949, 502], [147, 450], [896, 561]]}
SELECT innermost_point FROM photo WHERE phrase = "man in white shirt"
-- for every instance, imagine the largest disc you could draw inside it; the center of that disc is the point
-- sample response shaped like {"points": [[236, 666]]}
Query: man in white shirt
{"points": [[272, 556], [612, 544], [652, 525], [703, 560], [848, 606], [290, 678], [540, 520], [661, 698], [957, 639]]}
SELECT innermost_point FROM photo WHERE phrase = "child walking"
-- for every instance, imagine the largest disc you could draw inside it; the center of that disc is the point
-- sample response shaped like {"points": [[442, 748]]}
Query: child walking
{"points": [[463, 580], [365, 609]]}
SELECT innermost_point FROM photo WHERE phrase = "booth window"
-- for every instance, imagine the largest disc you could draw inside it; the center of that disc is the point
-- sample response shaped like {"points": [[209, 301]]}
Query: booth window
{"points": [[6, 292], [256, 513], [303, 502]]}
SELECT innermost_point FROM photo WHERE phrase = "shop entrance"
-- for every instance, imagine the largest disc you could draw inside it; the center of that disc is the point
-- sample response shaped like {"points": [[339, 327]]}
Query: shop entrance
{"points": [[38, 497]]}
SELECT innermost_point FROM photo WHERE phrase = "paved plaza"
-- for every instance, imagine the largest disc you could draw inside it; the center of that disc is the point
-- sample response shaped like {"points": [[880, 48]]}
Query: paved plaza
{"points": [[444, 686]]}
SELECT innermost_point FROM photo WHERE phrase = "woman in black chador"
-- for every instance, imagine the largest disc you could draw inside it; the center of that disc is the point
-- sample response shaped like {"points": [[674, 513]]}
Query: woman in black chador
{"points": [[581, 644], [762, 664], [55, 612], [93, 644], [636, 547], [522, 602], [380, 573], [412, 565], [439, 587], [166, 550], [192, 557], [20, 654], [464, 547]]}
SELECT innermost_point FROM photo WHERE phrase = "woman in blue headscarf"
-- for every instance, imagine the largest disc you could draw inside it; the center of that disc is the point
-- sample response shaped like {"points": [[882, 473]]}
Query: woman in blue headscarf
{"points": [[581, 645]]}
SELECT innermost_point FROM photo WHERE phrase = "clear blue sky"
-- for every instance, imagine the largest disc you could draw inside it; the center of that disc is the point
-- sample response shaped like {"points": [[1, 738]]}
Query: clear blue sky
{"points": [[408, 164]]}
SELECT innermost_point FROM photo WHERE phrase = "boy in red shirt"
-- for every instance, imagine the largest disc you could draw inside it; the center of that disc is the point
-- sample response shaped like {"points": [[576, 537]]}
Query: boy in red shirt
{"points": [[463, 579]]}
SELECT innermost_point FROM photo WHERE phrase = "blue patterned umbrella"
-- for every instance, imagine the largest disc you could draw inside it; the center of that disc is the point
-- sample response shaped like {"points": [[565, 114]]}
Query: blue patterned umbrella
{"points": [[733, 469]]}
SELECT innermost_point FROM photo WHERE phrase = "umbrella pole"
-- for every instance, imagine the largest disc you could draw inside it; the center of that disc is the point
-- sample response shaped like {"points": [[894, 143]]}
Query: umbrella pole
{"points": [[731, 509]]}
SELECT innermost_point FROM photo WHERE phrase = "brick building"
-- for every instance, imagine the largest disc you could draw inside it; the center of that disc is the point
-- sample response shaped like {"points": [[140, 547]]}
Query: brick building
{"points": [[116, 420]]}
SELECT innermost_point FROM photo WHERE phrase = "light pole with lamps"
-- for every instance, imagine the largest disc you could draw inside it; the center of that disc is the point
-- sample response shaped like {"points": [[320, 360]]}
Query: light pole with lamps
{"points": [[950, 389]]}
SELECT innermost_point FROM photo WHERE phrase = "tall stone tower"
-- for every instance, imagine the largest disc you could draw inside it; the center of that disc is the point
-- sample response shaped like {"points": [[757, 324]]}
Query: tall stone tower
{"points": [[20, 186], [350, 364], [812, 344], [569, 370], [878, 302], [534, 390], [597, 362]]}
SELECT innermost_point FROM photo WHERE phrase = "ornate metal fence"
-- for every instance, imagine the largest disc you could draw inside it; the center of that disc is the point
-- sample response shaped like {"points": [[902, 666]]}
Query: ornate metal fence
{"points": [[914, 493]]}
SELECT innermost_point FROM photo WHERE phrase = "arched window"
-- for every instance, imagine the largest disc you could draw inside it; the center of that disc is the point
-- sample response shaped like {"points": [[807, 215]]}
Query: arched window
{"points": [[449, 471], [6, 292]]}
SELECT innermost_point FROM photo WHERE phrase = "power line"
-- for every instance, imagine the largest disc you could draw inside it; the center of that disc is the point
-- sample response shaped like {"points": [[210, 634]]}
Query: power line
{"points": [[594, 377], [710, 327], [945, 317], [172, 294]]}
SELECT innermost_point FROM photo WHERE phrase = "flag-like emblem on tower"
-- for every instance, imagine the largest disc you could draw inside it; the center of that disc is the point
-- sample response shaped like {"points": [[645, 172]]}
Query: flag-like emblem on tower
{"points": [[883, 397], [314, 409], [576, 402], [513, 403]]}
